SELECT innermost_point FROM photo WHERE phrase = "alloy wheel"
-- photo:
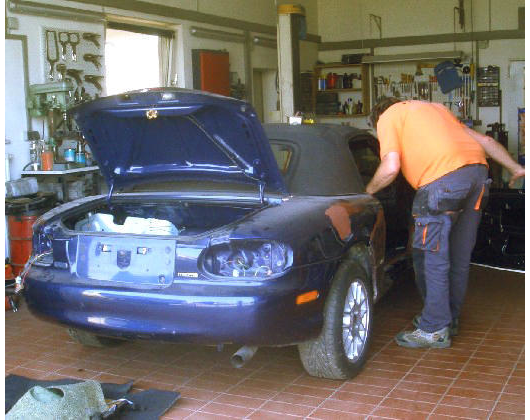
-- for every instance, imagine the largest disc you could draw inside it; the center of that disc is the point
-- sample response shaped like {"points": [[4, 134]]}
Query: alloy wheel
{"points": [[355, 320]]}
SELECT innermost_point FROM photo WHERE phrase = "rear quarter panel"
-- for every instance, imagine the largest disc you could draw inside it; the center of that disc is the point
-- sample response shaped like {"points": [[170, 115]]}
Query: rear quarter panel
{"points": [[319, 230]]}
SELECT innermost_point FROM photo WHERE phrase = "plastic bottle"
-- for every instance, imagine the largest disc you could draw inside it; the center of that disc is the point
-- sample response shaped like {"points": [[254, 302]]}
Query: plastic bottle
{"points": [[47, 159]]}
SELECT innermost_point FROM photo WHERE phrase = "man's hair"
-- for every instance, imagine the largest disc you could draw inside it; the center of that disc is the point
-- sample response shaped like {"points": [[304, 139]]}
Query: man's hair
{"points": [[381, 106]]}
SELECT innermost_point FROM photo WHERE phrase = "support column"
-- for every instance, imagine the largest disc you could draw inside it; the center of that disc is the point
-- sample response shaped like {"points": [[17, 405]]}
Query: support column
{"points": [[289, 24], [247, 45]]}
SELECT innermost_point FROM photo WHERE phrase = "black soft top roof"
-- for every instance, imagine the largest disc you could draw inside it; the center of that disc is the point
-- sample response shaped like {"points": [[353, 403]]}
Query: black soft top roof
{"points": [[322, 162]]}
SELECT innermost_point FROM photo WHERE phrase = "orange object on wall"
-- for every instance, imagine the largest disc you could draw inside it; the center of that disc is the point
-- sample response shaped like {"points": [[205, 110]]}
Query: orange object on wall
{"points": [[211, 71]]}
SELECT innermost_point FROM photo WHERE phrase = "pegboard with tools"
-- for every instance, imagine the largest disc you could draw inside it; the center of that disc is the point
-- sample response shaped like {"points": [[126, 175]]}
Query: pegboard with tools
{"points": [[422, 84], [488, 83], [75, 55]]}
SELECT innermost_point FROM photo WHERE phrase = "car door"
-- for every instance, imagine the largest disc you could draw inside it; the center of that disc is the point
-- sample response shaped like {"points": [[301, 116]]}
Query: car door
{"points": [[396, 199]]}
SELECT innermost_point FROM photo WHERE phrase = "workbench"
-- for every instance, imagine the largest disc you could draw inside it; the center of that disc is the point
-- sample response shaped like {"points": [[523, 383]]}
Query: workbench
{"points": [[66, 175]]}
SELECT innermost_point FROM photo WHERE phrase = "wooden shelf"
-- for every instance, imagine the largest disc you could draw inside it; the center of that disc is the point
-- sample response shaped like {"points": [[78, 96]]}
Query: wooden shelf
{"points": [[341, 90], [363, 89], [340, 115], [336, 65]]}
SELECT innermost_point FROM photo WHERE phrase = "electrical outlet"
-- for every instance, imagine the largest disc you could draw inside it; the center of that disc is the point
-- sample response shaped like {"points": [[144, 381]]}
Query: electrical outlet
{"points": [[483, 44]]}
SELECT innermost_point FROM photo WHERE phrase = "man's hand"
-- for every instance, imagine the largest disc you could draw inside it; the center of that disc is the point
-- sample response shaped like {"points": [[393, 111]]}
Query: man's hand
{"points": [[517, 173], [387, 171]]}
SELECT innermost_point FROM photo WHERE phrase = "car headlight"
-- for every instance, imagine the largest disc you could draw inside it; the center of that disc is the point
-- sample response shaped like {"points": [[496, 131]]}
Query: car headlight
{"points": [[250, 259]]}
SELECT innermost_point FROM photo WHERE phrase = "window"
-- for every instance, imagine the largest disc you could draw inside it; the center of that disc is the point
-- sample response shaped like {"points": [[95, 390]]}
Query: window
{"points": [[283, 155], [138, 57], [131, 61], [365, 158]]}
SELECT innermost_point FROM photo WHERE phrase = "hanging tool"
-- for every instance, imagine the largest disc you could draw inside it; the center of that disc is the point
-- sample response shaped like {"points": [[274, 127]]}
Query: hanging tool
{"points": [[76, 74], [94, 59], [74, 40], [92, 37], [51, 44], [84, 95], [71, 38], [63, 40], [61, 69], [77, 96], [92, 78]]}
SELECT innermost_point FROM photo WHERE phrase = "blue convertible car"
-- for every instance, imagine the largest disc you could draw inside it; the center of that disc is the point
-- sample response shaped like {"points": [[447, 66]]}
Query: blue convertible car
{"points": [[218, 230]]}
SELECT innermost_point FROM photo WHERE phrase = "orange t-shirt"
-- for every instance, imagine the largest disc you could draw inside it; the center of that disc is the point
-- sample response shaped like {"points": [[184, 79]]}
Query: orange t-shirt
{"points": [[430, 141]]}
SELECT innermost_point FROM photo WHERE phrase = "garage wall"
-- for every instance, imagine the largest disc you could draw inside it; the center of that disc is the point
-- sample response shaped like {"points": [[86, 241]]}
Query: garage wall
{"points": [[346, 20], [32, 27], [259, 11], [340, 20]]}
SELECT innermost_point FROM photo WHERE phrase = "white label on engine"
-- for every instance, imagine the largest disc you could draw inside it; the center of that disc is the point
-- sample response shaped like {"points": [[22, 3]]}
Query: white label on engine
{"points": [[194, 275]]}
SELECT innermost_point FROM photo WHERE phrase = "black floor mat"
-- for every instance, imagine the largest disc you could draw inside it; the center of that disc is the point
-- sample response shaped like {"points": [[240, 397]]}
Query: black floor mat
{"points": [[151, 404]]}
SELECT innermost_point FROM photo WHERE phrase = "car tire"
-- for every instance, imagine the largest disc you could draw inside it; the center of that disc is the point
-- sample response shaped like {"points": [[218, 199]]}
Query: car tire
{"points": [[330, 355], [92, 340]]}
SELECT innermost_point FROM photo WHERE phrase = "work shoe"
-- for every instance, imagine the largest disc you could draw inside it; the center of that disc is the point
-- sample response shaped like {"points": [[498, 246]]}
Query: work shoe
{"points": [[453, 328], [421, 339]]}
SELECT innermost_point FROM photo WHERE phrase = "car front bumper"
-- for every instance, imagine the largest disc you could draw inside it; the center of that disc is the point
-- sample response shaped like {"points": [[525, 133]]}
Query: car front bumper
{"points": [[203, 312]]}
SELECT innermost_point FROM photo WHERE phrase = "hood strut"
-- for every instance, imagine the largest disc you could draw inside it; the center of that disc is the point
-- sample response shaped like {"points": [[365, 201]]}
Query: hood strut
{"points": [[230, 153], [109, 194]]}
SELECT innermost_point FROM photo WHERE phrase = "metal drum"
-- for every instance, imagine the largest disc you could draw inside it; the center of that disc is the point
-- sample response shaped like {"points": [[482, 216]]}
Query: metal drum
{"points": [[22, 213]]}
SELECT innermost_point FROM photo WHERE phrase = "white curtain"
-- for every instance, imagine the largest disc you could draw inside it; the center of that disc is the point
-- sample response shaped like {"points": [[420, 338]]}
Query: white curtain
{"points": [[166, 56]]}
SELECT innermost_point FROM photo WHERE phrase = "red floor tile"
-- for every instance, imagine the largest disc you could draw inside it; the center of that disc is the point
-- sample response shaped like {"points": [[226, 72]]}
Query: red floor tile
{"points": [[325, 414]]}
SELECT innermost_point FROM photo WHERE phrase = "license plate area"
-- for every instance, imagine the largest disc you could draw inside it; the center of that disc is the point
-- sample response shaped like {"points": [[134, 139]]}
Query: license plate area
{"points": [[133, 260]]}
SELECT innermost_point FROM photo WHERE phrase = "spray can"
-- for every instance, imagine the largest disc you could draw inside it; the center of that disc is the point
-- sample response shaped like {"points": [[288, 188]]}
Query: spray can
{"points": [[80, 154]]}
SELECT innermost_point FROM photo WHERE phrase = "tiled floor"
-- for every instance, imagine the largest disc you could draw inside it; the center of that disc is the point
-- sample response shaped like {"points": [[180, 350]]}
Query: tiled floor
{"points": [[480, 377]]}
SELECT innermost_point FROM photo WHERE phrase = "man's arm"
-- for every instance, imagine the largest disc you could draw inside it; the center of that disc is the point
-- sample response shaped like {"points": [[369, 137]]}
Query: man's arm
{"points": [[387, 171], [498, 153]]}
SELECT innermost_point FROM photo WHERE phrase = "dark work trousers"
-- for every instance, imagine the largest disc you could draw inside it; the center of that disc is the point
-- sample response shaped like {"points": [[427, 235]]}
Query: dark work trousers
{"points": [[446, 213]]}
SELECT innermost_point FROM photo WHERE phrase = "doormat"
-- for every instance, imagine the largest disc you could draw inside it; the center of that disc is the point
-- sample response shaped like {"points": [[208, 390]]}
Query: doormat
{"points": [[149, 405]]}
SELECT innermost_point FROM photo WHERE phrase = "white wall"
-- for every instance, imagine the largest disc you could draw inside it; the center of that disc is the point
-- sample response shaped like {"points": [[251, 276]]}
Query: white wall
{"points": [[342, 20], [270, 97], [258, 11], [16, 149]]}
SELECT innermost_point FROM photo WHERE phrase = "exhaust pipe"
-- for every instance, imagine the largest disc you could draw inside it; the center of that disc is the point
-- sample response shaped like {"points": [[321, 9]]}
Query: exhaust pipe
{"points": [[243, 355]]}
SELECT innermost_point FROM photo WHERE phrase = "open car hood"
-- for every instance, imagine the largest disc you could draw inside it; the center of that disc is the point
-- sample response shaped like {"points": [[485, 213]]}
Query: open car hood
{"points": [[171, 134]]}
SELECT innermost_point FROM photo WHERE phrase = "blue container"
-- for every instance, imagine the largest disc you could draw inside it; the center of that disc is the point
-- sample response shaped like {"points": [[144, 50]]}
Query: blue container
{"points": [[69, 155], [80, 157]]}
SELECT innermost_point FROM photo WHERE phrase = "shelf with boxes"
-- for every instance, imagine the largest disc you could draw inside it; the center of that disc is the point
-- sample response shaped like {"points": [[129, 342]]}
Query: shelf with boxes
{"points": [[340, 90]]}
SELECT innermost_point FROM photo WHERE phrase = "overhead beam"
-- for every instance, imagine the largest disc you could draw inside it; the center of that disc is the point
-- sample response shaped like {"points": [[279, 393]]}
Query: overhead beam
{"points": [[425, 56], [185, 14], [421, 40]]}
